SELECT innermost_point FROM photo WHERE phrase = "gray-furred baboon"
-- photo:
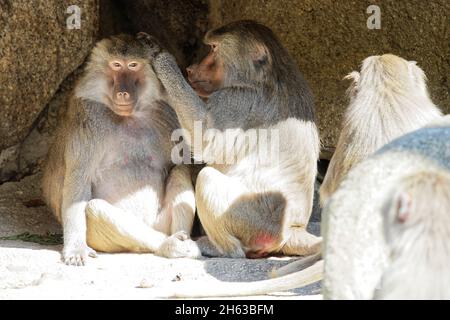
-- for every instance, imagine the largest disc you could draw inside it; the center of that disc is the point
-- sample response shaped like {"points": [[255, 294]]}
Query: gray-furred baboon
{"points": [[356, 253], [388, 98], [109, 178], [416, 220], [250, 207]]}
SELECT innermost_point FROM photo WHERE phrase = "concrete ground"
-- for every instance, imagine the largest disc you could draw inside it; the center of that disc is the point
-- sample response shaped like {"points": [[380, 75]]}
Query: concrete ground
{"points": [[33, 271]]}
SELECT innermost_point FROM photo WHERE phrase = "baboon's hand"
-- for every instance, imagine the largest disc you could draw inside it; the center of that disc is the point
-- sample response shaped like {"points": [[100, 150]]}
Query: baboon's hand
{"points": [[179, 245], [77, 254], [152, 45]]}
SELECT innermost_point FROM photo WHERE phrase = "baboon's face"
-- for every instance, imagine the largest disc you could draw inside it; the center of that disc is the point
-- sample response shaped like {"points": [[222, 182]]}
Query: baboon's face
{"points": [[120, 77], [125, 77], [240, 53], [208, 75]]}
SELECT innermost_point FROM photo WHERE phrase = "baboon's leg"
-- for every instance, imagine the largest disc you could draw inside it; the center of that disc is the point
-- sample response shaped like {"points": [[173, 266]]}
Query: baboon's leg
{"points": [[237, 221], [301, 243], [180, 200], [111, 229], [215, 192]]}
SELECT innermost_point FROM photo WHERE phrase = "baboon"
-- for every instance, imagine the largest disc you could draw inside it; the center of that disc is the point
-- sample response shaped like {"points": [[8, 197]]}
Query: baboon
{"points": [[249, 207], [416, 221], [109, 177], [388, 98], [441, 122], [355, 251]]}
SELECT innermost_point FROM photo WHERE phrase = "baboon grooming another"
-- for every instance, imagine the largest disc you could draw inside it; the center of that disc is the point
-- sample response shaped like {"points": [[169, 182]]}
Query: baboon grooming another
{"points": [[417, 231], [388, 98], [356, 253], [109, 178], [250, 207]]}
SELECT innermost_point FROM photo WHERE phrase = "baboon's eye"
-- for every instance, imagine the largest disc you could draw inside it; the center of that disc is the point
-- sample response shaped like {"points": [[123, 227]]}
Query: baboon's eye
{"points": [[132, 65], [115, 65]]}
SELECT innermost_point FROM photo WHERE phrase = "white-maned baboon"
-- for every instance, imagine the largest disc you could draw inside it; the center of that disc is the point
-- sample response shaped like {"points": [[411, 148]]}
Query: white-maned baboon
{"points": [[416, 223], [441, 122], [381, 109], [109, 178], [356, 254], [388, 98]]}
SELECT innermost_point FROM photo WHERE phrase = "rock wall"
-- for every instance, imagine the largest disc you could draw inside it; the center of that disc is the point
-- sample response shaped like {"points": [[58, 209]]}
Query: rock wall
{"points": [[179, 25], [40, 58], [37, 52], [330, 38]]}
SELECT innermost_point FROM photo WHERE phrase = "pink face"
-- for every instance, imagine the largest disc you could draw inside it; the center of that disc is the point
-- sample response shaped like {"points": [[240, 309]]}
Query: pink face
{"points": [[207, 76], [125, 78]]}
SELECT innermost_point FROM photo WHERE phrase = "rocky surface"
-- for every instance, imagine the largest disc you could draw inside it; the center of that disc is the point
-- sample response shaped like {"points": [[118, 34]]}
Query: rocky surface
{"points": [[329, 39], [32, 271], [37, 52], [28, 156]]}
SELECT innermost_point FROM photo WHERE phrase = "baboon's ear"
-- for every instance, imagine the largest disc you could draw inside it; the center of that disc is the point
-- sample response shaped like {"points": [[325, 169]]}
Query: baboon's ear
{"points": [[403, 207], [416, 73], [353, 76], [412, 66], [260, 55]]}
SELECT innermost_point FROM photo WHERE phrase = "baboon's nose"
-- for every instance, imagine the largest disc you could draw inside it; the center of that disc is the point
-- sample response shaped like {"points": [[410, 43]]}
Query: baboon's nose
{"points": [[123, 97]]}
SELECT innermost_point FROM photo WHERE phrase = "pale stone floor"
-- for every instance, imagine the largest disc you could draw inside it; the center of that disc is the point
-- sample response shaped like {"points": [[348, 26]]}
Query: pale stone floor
{"points": [[32, 271]]}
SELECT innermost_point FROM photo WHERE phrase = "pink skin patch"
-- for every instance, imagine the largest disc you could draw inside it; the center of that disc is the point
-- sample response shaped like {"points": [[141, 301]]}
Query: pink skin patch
{"points": [[261, 246]]}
